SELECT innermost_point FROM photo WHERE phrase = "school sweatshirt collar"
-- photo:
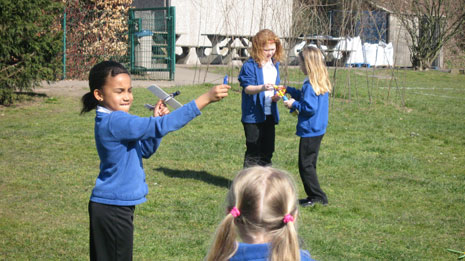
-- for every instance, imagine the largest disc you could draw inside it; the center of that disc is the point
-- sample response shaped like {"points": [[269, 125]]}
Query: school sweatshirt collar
{"points": [[260, 252], [103, 109]]}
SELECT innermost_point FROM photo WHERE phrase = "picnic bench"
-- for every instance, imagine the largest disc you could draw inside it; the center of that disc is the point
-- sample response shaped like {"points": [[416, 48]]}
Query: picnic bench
{"points": [[327, 44], [227, 48]]}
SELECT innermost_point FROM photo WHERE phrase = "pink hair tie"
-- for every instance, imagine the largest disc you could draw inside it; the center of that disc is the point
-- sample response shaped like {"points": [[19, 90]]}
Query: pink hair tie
{"points": [[288, 218], [235, 212]]}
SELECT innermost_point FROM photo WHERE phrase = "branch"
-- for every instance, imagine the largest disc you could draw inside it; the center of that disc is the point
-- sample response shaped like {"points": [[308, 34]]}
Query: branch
{"points": [[11, 66]]}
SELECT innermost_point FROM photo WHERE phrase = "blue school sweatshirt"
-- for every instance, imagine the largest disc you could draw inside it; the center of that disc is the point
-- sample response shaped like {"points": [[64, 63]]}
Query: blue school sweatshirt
{"points": [[313, 110], [260, 252], [253, 105], [122, 141]]}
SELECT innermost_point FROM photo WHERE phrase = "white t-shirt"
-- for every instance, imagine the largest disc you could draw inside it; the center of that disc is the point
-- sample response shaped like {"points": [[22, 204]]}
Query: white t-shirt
{"points": [[269, 76]]}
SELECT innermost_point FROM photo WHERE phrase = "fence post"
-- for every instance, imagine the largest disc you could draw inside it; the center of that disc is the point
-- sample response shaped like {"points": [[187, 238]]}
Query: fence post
{"points": [[172, 40], [64, 44], [131, 40]]}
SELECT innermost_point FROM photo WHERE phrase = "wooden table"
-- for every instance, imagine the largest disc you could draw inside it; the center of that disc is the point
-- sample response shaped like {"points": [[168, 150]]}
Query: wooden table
{"points": [[327, 44], [227, 48]]}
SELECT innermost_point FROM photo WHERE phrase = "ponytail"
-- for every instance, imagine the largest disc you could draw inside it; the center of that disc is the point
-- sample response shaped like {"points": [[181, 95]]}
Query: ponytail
{"points": [[88, 102], [224, 243], [285, 244]]}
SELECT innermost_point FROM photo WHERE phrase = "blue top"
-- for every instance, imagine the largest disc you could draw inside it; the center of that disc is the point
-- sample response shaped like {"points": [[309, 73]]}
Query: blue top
{"points": [[313, 110], [253, 105], [122, 141], [260, 252]]}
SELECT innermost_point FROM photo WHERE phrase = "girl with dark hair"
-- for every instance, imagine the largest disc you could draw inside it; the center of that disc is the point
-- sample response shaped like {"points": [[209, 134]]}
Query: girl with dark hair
{"points": [[122, 141]]}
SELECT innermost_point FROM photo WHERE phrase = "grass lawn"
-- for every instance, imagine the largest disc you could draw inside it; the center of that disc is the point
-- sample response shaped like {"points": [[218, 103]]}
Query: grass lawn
{"points": [[392, 164]]}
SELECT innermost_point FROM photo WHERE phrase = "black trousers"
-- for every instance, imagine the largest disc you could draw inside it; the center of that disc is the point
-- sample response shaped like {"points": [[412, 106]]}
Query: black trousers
{"points": [[259, 140], [308, 156], [111, 231]]}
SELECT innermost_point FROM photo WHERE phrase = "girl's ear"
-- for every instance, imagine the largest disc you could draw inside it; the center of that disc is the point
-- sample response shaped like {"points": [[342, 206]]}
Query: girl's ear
{"points": [[98, 94]]}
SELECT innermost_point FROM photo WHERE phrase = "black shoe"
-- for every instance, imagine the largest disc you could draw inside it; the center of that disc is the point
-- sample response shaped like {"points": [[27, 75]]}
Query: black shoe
{"points": [[310, 203], [306, 202]]}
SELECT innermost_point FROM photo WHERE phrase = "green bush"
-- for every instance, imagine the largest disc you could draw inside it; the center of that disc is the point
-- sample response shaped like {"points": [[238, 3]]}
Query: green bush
{"points": [[30, 41]]}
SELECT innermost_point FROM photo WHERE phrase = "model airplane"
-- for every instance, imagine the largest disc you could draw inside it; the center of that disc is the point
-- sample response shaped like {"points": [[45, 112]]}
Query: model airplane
{"points": [[167, 98]]}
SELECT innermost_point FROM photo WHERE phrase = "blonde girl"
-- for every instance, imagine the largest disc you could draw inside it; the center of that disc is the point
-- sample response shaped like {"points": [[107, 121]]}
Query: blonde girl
{"points": [[312, 103], [261, 210], [260, 113]]}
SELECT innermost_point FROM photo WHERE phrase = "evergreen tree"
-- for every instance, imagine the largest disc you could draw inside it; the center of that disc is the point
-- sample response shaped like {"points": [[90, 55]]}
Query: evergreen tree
{"points": [[30, 44]]}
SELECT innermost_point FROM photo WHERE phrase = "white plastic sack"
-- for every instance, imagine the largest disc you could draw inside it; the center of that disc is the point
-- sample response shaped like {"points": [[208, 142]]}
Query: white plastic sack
{"points": [[370, 51], [374, 54], [389, 52], [297, 48], [352, 45], [380, 54]]}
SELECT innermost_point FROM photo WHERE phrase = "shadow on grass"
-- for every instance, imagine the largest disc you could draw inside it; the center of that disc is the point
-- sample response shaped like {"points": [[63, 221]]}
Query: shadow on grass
{"points": [[198, 175], [18, 98], [31, 94]]}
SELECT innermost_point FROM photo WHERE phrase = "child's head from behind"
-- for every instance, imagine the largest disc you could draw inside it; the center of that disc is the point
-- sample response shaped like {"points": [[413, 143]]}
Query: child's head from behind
{"points": [[312, 63], [262, 207], [264, 196], [110, 87], [310, 59], [266, 45]]}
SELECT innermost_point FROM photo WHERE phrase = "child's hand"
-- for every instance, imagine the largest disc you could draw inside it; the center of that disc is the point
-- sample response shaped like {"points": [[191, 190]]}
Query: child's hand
{"points": [[267, 87], [218, 92], [160, 109], [276, 98], [281, 88], [215, 94], [289, 103]]}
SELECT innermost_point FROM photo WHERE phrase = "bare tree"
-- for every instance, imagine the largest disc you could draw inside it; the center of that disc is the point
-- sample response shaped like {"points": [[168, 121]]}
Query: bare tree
{"points": [[309, 17], [429, 24]]}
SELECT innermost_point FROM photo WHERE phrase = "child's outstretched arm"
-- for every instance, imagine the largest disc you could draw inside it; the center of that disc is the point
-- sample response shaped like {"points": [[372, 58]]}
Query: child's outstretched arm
{"points": [[214, 94]]}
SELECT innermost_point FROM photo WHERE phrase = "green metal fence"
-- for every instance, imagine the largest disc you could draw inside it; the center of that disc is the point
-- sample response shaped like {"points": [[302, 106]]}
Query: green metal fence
{"points": [[143, 40], [152, 40]]}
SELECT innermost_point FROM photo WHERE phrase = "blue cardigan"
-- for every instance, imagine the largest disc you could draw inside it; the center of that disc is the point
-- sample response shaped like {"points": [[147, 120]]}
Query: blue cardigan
{"points": [[260, 252], [253, 104], [313, 110], [122, 141]]}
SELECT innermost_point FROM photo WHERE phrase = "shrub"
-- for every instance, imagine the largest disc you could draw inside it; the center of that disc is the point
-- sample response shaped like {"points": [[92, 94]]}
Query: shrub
{"points": [[30, 41], [96, 30]]}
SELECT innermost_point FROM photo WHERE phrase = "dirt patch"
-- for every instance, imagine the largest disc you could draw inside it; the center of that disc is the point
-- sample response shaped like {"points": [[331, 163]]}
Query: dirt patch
{"points": [[184, 76], [77, 88], [73, 88], [376, 75]]}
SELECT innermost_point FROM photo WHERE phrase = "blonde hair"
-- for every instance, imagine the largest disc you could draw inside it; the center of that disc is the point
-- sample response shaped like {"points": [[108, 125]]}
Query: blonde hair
{"points": [[315, 68], [263, 196], [259, 41]]}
